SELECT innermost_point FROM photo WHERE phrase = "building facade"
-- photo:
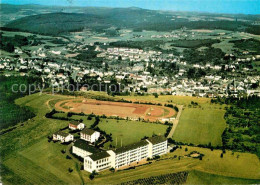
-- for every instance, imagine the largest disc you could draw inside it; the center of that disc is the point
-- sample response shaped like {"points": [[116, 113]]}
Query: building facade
{"points": [[89, 135], [76, 125], [123, 156], [62, 137], [83, 149]]}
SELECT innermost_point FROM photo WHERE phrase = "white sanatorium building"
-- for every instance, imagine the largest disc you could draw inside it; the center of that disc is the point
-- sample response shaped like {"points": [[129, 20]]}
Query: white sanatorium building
{"points": [[126, 155]]}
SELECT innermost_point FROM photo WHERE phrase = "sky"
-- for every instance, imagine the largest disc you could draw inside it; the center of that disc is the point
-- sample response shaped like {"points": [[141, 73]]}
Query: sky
{"points": [[212, 6]]}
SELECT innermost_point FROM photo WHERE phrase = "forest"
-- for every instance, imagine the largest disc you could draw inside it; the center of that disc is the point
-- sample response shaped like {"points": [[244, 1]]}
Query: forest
{"points": [[100, 20], [10, 113], [243, 127]]}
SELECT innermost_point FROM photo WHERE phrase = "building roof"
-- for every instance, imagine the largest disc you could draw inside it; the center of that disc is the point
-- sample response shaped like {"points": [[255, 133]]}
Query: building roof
{"points": [[156, 139], [75, 123], [100, 155], [88, 131], [85, 146], [131, 147], [61, 133]]}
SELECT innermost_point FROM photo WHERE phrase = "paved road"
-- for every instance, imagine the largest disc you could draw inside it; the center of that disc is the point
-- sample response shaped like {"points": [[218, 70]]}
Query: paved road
{"points": [[175, 122]]}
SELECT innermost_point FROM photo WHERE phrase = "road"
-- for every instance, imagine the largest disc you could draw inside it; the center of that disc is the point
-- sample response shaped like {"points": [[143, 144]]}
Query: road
{"points": [[175, 122]]}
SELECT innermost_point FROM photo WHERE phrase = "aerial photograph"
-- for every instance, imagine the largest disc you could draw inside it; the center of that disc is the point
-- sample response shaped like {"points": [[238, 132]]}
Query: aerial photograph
{"points": [[129, 92]]}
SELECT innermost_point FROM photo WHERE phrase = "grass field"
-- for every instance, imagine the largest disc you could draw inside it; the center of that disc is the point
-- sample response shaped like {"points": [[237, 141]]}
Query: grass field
{"points": [[28, 158], [130, 131], [200, 126], [198, 177]]}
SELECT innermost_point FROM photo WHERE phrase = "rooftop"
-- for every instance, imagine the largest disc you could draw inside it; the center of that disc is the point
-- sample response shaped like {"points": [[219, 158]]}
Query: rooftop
{"points": [[100, 155], [61, 133], [131, 147], [85, 146], [75, 123], [88, 131], [156, 139]]}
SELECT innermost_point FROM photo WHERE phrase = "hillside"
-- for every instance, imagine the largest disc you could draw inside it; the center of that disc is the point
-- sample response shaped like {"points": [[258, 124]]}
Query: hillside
{"points": [[55, 23], [75, 19]]}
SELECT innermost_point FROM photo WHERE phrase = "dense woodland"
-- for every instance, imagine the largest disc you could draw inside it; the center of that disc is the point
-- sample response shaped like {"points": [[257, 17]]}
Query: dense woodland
{"points": [[243, 125], [10, 113], [100, 19]]}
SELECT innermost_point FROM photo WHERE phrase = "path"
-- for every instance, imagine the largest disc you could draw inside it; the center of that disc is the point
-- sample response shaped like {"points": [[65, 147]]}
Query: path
{"points": [[175, 122], [48, 104]]}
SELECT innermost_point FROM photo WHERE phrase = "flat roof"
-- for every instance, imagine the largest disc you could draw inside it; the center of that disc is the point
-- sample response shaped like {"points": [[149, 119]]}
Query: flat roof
{"points": [[131, 147], [156, 139], [85, 146], [100, 155]]}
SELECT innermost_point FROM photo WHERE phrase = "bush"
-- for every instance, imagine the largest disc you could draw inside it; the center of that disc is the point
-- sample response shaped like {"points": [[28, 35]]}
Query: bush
{"points": [[70, 170], [68, 157]]}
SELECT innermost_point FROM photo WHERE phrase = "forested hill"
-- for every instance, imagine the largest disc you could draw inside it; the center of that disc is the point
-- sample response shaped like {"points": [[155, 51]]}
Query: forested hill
{"points": [[55, 23], [138, 19]]}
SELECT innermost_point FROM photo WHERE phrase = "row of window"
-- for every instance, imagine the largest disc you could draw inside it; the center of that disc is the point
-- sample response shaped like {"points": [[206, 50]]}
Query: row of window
{"points": [[102, 160]]}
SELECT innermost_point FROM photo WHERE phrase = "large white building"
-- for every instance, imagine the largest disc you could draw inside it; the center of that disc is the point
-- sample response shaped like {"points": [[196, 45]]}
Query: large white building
{"points": [[83, 149], [126, 155]]}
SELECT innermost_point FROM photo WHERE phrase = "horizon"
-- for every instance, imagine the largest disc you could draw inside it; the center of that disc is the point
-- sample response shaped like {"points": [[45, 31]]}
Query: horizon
{"points": [[205, 6]]}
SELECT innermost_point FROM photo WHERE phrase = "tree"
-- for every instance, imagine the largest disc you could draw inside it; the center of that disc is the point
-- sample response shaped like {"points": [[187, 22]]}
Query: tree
{"points": [[221, 155], [92, 175], [70, 170], [112, 169], [156, 95]]}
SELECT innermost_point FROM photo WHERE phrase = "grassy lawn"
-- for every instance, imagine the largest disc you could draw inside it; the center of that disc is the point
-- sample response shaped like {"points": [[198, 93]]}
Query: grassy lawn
{"points": [[182, 100], [200, 126], [28, 158], [129, 131], [198, 177]]}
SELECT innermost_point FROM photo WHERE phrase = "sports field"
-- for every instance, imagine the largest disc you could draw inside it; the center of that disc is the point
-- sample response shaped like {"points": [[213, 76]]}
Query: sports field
{"points": [[108, 108]]}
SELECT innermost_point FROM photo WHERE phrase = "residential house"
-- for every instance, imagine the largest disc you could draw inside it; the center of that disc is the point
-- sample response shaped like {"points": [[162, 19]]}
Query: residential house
{"points": [[62, 136], [74, 125], [89, 135]]}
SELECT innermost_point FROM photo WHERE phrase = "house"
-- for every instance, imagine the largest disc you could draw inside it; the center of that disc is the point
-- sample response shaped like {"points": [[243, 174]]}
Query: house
{"points": [[89, 135], [62, 136], [82, 149], [74, 125]]}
